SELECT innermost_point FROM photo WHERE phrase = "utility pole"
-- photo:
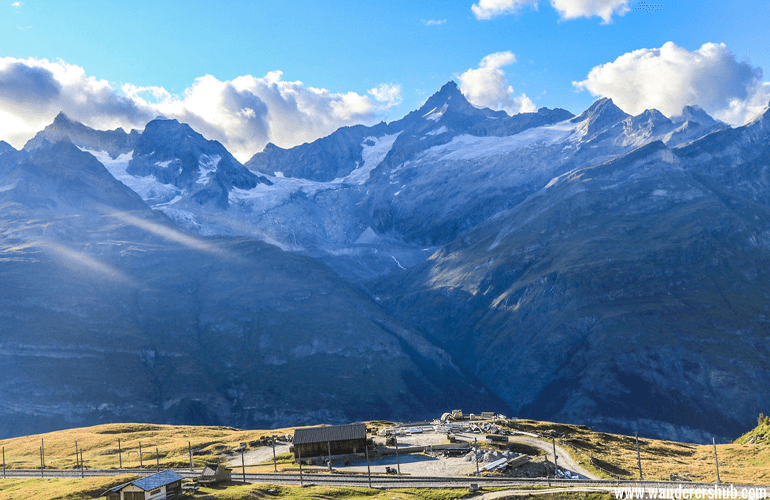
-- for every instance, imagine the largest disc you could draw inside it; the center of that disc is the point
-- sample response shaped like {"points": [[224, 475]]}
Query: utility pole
{"points": [[3, 462], [243, 467], [189, 450], [77, 457], [299, 454], [82, 471], [476, 453], [638, 457], [120, 456], [398, 462], [42, 457], [329, 447], [555, 457], [140, 455], [369, 470], [157, 460], [275, 464], [716, 460]]}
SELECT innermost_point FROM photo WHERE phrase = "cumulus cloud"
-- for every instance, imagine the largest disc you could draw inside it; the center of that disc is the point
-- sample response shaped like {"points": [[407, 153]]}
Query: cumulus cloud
{"points": [[572, 9], [387, 93], [487, 86], [244, 113], [568, 9], [672, 77], [487, 9]]}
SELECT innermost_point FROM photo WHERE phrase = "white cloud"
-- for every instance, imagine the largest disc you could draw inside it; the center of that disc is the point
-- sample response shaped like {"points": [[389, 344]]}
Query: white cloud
{"points": [[16, 4], [244, 113], [435, 22], [568, 9], [387, 93], [487, 86], [572, 9], [672, 77], [487, 9]]}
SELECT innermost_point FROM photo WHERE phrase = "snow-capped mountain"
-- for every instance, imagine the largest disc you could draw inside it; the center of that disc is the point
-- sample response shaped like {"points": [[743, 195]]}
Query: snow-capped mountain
{"points": [[529, 249], [111, 313]]}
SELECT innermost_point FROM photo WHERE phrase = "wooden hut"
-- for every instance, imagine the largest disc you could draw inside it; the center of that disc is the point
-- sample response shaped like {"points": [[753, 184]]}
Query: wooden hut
{"points": [[340, 439], [160, 486]]}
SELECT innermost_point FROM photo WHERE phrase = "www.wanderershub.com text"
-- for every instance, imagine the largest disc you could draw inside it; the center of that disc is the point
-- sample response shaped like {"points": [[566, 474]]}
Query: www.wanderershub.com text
{"points": [[693, 493]]}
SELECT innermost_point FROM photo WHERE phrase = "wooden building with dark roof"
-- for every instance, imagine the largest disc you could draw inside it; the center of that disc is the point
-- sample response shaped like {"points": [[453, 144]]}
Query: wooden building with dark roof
{"points": [[342, 439]]}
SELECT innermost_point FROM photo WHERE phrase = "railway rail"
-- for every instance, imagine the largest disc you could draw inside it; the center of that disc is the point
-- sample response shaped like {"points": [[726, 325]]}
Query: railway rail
{"points": [[376, 481]]}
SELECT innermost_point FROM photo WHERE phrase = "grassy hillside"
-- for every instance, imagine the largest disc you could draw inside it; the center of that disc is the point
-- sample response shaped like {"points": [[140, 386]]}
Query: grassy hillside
{"points": [[761, 433], [739, 462]]}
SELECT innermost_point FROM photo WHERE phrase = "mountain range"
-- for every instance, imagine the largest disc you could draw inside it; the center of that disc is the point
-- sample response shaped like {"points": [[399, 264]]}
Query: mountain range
{"points": [[603, 269]]}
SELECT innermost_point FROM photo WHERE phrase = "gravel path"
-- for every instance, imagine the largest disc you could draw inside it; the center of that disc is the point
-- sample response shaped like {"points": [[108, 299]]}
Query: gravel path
{"points": [[260, 455]]}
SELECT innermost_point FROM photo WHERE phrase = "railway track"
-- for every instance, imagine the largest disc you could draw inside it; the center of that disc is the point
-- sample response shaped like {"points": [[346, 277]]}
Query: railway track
{"points": [[377, 481]]}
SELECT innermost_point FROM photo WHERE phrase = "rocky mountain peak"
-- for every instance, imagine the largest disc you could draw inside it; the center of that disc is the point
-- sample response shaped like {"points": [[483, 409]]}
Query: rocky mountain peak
{"points": [[601, 115], [695, 113]]}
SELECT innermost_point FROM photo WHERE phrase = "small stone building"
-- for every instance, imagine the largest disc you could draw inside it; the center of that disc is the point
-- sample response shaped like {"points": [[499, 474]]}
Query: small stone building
{"points": [[342, 439], [160, 486]]}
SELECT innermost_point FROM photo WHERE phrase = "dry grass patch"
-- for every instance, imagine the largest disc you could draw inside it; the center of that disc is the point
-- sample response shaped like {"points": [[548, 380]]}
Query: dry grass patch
{"points": [[59, 489], [738, 462]]}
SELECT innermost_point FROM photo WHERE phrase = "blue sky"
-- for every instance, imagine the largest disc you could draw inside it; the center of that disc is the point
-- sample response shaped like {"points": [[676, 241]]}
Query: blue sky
{"points": [[133, 59]]}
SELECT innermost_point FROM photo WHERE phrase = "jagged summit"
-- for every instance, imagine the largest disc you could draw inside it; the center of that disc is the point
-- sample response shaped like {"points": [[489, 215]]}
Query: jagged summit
{"points": [[5, 147], [601, 115], [695, 113], [603, 109]]}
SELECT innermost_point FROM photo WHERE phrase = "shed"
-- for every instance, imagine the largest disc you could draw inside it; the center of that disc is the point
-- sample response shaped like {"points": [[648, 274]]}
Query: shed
{"points": [[166, 484], [342, 439], [214, 473]]}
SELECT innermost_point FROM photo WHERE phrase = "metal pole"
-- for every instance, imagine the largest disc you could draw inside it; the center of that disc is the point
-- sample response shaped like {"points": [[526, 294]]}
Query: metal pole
{"points": [[41, 461], [42, 453], [398, 462], [275, 465], [140, 455], [329, 447], [299, 454], [3, 462], [476, 454], [555, 457], [189, 450], [716, 460], [82, 471], [120, 456], [157, 460], [638, 457], [243, 464], [77, 457], [367, 466]]}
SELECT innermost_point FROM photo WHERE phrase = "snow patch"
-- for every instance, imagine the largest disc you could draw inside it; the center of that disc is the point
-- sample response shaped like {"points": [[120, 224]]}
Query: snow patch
{"points": [[435, 114], [367, 237], [165, 164], [375, 150], [148, 188], [206, 167], [470, 147], [438, 131]]}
